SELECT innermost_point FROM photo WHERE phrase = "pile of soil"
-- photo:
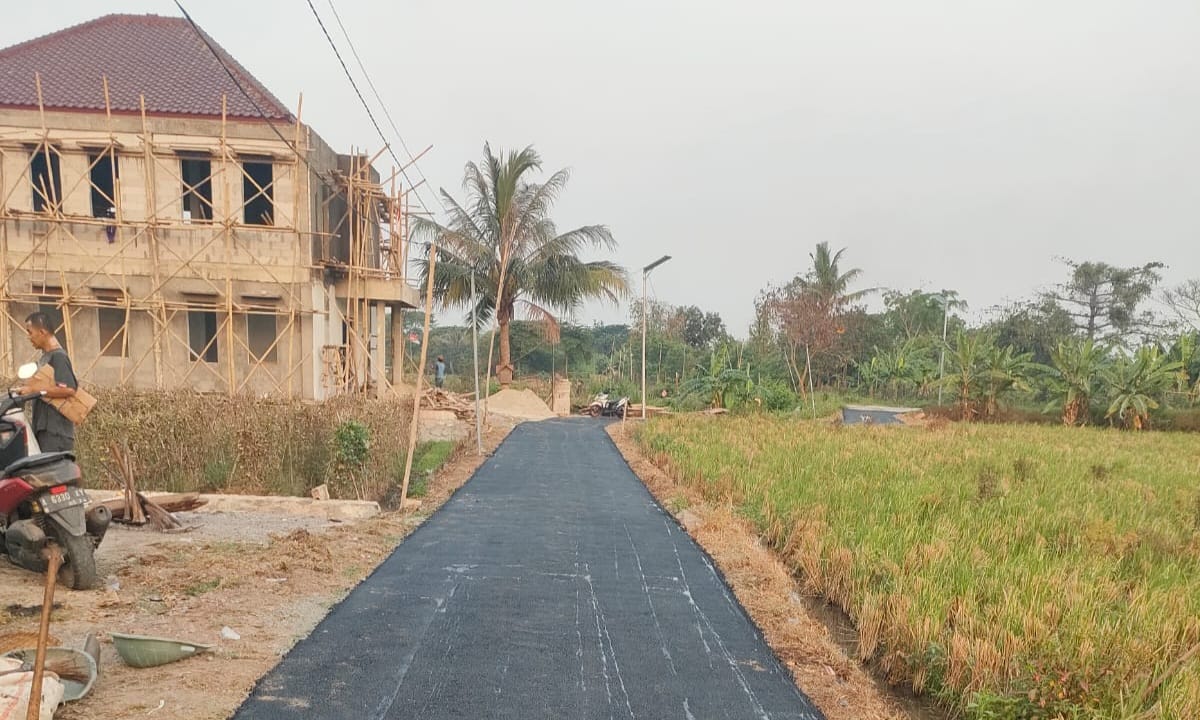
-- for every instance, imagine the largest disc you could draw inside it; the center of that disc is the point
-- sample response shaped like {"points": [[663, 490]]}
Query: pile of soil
{"points": [[519, 404]]}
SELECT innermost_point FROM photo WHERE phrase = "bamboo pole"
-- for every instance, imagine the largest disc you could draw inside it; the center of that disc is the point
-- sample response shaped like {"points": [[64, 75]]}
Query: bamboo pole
{"points": [[227, 202], [156, 293], [412, 428], [6, 349], [302, 257]]}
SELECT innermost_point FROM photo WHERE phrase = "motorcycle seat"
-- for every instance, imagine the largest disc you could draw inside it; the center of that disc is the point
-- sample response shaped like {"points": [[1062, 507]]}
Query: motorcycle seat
{"points": [[35, 461]]}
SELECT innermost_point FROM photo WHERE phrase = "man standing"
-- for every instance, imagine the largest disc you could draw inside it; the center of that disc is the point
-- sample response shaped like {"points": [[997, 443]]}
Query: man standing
{"points": [[439, 371], [54, 432]]}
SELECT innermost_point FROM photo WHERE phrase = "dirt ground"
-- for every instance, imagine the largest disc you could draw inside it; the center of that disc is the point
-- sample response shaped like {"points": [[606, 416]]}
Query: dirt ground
{"points": [[269, 578], [793, 626]]}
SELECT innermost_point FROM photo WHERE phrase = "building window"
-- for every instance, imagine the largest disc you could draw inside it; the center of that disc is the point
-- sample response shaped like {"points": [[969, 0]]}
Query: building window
{"points": [[197, 187], [261, 333], [111, 322], [258, 191], [47, 183], [202, 335], [103, 175], [48, 304]]}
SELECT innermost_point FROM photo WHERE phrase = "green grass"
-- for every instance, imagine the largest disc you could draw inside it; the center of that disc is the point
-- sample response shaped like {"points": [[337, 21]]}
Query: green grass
{"points": [[1014, 571], [432, 455], [428, 458]]}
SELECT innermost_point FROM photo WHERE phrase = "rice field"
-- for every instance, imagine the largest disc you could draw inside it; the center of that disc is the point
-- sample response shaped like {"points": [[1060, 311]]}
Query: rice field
{"points": [[1010, 571]]}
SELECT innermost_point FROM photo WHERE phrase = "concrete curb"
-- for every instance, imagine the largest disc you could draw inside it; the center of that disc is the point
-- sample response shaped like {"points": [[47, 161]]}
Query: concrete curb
{"points": [[342, 510]]}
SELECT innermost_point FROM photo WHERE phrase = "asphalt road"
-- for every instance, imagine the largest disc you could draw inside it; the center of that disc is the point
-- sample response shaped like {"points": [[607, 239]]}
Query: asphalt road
{"points": [[550, 586]]}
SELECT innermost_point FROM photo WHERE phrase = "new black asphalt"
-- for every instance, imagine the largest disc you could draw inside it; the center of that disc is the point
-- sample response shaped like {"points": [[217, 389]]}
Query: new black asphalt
{"points": [[550, 586]]}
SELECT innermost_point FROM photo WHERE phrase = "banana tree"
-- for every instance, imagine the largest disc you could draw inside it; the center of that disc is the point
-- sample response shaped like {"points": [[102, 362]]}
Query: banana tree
{"points": [[1186, 352], [966, 370], [1136, 384], [719, 380], [1074, 377], [1004, 370]]}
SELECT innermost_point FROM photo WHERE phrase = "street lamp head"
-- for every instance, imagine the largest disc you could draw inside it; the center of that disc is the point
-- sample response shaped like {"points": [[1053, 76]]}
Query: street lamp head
{"points": [[656, 263]]}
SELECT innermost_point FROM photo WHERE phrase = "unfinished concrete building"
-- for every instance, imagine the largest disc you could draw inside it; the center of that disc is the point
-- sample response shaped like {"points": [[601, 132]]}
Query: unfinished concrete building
{"points": [[183, 227]]}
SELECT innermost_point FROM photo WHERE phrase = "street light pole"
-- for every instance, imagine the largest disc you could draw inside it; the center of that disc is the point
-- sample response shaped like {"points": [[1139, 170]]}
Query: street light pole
{"points": [[942, 356], [645, 274], [475, 365]]}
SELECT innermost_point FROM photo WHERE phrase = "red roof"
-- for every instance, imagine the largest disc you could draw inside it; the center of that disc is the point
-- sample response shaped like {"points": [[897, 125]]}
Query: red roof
{"points": [[163, 58]]}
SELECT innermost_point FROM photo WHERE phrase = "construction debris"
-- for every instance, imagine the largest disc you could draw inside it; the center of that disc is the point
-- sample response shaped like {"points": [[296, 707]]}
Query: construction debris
{"points": [[120, 456], [157, 511], [635, 410], [461, 404]]}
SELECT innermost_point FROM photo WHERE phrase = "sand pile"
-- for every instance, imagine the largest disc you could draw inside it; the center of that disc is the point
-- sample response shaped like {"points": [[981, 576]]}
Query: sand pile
{"points": [[519, 404]]}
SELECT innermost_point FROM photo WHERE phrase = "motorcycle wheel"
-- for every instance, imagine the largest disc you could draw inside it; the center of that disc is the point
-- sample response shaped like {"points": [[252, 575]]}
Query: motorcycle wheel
{"points": [[79, 561]]}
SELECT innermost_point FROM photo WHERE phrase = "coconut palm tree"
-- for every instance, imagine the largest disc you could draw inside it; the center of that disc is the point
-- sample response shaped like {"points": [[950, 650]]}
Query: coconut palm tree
{"points": [[504, 232], [830, 284]]}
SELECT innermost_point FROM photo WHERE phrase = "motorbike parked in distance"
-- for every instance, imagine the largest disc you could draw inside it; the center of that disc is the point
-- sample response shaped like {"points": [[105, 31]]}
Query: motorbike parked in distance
{"points": [[603, 406]]}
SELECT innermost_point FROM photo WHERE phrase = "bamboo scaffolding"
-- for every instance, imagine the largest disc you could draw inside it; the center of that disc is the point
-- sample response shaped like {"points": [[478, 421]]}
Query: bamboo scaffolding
{"points": [[50, 257]]}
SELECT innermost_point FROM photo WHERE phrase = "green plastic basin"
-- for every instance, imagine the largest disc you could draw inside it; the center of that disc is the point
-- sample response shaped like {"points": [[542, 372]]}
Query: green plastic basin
{"points": [[141, 651]]}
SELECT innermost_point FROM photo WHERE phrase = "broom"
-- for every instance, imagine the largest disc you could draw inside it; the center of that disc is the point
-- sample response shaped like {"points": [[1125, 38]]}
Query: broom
{"points": [[64, 668]]}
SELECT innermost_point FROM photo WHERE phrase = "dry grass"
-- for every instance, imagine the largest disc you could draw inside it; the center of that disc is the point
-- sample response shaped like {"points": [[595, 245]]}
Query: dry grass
{"points": [[182, 441], [1014, 571]]}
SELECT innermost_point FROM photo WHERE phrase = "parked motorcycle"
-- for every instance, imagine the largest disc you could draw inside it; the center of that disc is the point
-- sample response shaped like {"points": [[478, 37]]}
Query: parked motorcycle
{"points": [[602, 406], [41, 501]]}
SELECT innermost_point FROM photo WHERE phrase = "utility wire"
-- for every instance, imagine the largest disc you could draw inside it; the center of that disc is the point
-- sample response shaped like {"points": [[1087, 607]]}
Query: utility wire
{"points": [[263, 115], [361, 99], [388, 115]]}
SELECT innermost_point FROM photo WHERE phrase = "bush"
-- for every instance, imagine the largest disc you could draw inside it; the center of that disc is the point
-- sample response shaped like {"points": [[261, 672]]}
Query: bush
{"points": [[187, 442], [775, 395], [1182, 420]]}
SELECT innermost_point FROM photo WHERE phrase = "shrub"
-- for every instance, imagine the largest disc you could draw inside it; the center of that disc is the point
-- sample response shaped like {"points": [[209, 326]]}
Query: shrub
{"points": [[187, 442]]}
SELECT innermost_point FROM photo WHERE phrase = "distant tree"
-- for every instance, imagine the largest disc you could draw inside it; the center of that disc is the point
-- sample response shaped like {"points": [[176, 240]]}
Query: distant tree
{"points": [[829, 283], [1104, 300], [1035, 327], [810, 313], [1183, 301], [918, 313], [698, 328]]}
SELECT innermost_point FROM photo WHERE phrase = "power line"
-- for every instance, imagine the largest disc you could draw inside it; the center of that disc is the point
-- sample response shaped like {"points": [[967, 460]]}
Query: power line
{"points": [[224, 66], [386, 113], [361, 99]]}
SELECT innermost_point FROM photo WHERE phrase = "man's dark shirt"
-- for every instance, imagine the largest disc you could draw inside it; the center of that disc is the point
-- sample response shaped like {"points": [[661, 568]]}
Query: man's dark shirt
{"points": [[46, 418]]}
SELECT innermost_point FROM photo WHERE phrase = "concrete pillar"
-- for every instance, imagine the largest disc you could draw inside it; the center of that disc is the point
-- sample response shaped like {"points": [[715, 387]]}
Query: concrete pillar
{"points": [[380, 334], [398, 345], [562, 396]]}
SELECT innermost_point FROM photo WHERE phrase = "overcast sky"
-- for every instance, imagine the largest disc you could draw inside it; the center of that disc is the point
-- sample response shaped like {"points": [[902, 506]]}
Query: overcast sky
{"points": [[946, 143]]}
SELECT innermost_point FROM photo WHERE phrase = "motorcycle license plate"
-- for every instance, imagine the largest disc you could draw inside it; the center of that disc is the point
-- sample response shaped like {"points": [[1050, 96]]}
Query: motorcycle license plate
{"points": [[51, 502]]}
